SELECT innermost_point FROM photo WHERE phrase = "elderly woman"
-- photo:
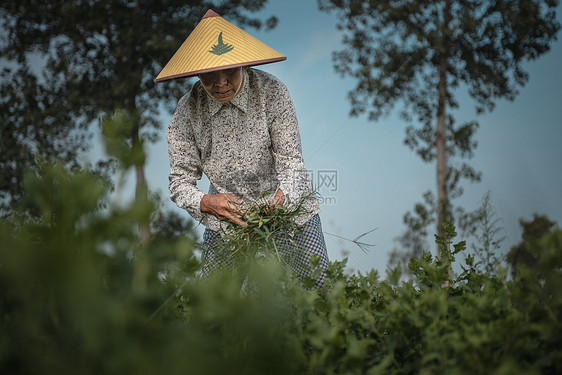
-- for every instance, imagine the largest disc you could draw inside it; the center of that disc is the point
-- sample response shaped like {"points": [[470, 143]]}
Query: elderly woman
{"points": [[238, 126]]}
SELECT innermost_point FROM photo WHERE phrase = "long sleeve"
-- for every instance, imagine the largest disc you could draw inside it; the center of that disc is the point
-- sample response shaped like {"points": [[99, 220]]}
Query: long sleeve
{"points": [[185, 163], [286, 145]]}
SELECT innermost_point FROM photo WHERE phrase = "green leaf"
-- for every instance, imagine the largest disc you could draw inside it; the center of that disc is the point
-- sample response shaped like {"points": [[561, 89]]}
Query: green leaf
{"points": [[221, 48], [459, 247]]}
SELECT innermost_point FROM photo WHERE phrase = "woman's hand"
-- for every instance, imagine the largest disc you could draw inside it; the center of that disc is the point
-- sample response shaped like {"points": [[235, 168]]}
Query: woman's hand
{"points": [[278, 199], [223, 206]]}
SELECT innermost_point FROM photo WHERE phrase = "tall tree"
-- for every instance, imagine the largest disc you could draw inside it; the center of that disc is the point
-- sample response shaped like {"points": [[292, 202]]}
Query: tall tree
{"points": [[68, 62], [418, 52]]}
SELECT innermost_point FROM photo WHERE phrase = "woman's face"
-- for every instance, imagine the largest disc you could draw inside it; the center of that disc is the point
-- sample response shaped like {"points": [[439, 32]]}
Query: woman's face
{"points": [[223, 85]]}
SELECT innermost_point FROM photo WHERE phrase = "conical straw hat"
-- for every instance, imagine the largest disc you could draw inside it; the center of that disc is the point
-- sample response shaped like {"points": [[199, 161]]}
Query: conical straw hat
{"points": [[216, 44]]}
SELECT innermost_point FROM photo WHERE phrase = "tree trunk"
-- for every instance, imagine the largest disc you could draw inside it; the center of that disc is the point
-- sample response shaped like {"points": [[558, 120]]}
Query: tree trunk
{"points": [[440, 135], [141, 193], [141, 187], [440, 142], [141, 268]]}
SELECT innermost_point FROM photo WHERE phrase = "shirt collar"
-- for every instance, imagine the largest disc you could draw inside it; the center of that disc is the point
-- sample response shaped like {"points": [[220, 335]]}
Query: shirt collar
{"points": [[240, 100]]}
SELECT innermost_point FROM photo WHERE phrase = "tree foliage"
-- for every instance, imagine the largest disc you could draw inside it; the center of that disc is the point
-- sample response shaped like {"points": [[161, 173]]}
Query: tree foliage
{"points": [[418, 53], [525, 254], [68, 62]]}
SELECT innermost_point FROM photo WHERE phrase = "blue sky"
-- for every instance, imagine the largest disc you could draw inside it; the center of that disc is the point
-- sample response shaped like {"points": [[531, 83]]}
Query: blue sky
{"points": [[378, 177]]}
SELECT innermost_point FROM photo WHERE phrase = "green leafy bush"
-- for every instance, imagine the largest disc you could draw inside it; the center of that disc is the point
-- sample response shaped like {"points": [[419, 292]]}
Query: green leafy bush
{"points": [[80, 295]]}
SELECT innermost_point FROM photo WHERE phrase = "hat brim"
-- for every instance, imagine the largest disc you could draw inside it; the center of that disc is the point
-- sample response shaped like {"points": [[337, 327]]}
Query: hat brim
{"points": [[214, 69]]}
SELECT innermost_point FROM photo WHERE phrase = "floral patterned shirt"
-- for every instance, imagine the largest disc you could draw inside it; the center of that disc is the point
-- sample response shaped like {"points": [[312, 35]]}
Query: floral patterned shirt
{"points": [[249, 147]]}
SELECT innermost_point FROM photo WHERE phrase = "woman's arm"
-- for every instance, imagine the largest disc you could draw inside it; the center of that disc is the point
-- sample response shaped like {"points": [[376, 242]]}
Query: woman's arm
{"points": [[185, 163], [286, 145]]}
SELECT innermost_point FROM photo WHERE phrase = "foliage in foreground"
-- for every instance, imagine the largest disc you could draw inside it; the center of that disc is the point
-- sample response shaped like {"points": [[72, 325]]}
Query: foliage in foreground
{"points": [[80, 297]]}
